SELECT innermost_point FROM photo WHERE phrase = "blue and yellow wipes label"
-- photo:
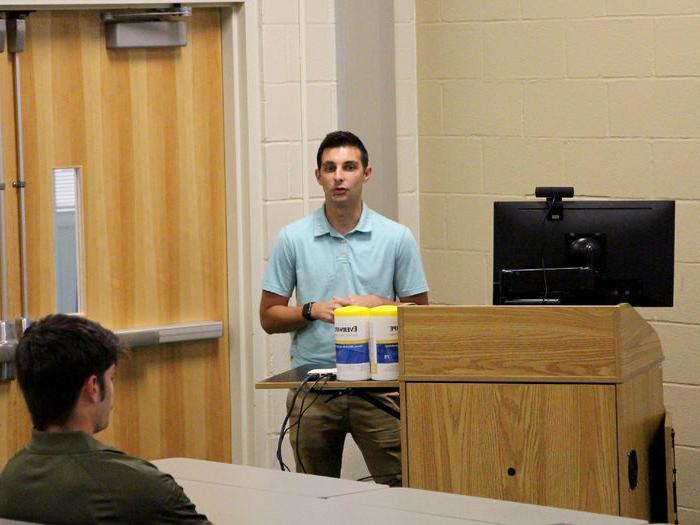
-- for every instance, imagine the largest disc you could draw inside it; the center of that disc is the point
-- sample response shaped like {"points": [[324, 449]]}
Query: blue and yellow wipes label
{"points": [[352, 343], [387, 352], [383, 344], [350, 352]]}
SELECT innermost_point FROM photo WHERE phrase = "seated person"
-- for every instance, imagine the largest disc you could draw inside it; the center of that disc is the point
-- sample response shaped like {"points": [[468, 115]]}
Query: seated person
{"points": [[65, 369]]}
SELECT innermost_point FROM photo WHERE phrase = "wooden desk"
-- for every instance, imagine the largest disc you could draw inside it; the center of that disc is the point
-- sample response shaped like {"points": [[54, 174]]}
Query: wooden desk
{"points": [[292, 378]]}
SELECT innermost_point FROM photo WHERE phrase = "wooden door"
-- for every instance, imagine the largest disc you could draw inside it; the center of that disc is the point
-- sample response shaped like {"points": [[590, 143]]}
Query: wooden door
{"points": [[547, 444], [145, 128]]}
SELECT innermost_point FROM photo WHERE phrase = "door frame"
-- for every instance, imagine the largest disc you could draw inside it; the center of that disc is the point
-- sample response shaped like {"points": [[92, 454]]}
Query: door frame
{"points": [[242, 151]]}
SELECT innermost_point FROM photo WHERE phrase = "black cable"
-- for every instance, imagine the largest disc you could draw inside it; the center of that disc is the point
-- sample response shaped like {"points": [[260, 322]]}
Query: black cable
{"points": [[544, 244], [376, 402], [284, 424], [396, 476], [301, 413], [284, 429]]}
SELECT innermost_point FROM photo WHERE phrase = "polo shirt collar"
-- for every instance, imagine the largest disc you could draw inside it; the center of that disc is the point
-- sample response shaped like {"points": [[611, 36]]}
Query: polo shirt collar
{"points": [[323, 227], [63, 443]]}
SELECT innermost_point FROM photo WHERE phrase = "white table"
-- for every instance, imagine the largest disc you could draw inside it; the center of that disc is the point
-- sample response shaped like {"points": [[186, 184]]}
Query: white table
{"points": [[251, 495], [230, 504], [480, 509], [263, 478]]}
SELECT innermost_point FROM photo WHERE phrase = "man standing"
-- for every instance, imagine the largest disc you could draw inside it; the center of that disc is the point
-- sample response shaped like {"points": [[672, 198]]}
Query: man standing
{"points": [[65, 368], [343, 254]]}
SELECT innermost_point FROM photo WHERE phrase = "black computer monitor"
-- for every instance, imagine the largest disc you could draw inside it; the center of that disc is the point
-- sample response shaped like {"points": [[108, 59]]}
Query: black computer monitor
{"points": [[583, 252]]}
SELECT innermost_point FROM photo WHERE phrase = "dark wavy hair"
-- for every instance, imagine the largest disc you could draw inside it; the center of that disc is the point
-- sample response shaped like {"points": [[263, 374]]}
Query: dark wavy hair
{"points": [[337, 139], [54, 358]]}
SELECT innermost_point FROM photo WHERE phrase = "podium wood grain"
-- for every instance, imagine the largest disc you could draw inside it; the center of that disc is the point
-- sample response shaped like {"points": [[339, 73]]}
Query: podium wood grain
{"points": [[519, 442], [515, 343], [640, 416], [533, 404]]}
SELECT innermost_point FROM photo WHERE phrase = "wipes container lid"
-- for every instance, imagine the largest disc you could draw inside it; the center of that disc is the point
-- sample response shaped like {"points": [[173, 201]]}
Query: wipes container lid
{"points": [[351, 311], [387, 310]]}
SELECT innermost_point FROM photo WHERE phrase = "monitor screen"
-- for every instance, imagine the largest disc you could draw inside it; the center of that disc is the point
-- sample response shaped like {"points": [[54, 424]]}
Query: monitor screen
{"points": [[589, 252]]}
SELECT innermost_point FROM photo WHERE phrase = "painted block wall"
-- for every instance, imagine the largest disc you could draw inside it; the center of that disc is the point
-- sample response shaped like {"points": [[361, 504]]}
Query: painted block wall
{"points": [[602, 95], [298, 94]]}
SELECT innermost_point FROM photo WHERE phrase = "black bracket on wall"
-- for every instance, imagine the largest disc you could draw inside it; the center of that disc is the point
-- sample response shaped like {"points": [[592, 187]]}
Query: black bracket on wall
{"points": [[16, 30]]}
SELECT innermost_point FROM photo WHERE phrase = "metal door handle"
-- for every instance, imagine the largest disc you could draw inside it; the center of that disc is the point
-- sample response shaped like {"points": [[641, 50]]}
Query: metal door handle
{"points": [[135, 337]]}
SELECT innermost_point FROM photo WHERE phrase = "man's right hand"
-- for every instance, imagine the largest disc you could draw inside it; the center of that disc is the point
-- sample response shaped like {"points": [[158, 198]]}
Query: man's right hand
{"points": [[323, 311]]}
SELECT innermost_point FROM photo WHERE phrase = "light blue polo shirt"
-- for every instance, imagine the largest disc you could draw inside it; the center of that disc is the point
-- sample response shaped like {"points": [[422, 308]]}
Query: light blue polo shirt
{"points": [[379, 257]]}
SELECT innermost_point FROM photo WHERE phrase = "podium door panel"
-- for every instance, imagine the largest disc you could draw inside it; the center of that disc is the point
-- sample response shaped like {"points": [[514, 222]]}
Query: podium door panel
{"points": [[547, 444]]}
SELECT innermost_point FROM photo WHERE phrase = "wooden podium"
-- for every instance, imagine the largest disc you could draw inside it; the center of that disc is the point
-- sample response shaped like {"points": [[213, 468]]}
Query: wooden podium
{"points": [[552, 405]]}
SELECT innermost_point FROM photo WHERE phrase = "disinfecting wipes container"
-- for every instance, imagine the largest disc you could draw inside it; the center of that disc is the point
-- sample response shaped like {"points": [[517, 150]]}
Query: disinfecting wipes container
{"points": [[384, 343], [352, 343]]}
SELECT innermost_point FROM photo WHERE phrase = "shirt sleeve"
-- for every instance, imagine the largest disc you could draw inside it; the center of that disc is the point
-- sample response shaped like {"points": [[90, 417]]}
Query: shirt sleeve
{"points": [[409, 278], [136, 491], [178, 508], [280, 273]]}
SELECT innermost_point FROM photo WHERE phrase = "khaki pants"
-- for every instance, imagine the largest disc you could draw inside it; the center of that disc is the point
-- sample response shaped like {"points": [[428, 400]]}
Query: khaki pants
{"points": [[319, 440]]}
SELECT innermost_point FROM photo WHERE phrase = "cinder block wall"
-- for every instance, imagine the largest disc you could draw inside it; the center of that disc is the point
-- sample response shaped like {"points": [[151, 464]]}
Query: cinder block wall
{"points": [[602, 95], [298, 93]]}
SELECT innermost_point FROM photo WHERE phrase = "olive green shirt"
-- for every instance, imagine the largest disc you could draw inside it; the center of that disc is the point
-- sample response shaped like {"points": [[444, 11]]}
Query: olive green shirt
{"points": [[71, 478]]}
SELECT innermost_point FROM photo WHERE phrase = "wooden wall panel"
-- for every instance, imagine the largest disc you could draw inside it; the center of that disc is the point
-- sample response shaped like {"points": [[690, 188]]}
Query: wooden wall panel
{"points": [[146, 129]]}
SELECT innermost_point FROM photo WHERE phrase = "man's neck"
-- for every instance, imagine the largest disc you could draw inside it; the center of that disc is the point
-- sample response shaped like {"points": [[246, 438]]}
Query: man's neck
{"points": [[71, 426], [343, 219]]}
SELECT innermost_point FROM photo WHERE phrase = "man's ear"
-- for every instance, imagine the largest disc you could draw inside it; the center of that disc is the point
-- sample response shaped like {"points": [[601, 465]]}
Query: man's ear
{"points": [[317, 173], [91, 388], [368, 174]]}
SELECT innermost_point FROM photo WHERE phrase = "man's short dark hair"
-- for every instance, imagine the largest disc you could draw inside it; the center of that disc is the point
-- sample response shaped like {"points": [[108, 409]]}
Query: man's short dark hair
{"points": [[337, 139], [54, 358]]}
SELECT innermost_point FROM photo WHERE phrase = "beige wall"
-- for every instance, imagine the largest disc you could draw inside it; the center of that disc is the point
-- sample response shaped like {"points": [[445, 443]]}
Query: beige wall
{"points": [[600, 95], [298, 94]]}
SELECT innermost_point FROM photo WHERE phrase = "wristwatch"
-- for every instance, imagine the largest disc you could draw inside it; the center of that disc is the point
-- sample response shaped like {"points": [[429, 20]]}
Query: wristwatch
{"points": [[306, 311]]}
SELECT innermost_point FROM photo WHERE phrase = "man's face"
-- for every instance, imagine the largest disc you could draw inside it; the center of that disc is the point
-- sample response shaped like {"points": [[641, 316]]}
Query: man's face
{"points": [[104, 406], [341, 175]]}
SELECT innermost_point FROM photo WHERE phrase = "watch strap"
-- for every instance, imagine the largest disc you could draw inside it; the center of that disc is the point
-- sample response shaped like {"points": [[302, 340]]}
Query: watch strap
{"points": [[306, 311]]}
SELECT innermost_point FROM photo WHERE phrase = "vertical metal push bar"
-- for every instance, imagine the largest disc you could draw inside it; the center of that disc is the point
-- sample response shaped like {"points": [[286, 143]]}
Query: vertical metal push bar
{"points": [[8, 341], [3, 238], [19, 184], [16, 31]]}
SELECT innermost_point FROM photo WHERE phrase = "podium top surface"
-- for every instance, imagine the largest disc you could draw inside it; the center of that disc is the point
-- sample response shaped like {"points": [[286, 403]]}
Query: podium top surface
{"points": [[599, 344], [292, 378]]}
